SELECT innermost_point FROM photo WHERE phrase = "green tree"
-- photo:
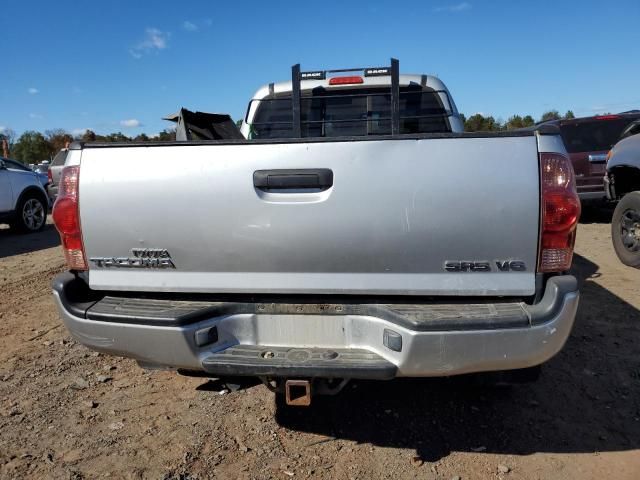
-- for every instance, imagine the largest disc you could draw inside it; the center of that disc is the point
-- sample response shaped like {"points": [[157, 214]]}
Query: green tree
{"points": [[143, 137], [480, 123], [474, 123], [88, 136], [31, 147], [493, 124], [58, 139], [113, 137], [516, 121], [550, 115], [167, 135], [569, 115]]}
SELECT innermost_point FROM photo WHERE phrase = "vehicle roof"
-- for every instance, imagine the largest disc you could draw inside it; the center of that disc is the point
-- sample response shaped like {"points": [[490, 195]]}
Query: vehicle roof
{"points": [[382, 81], [630, 115]]}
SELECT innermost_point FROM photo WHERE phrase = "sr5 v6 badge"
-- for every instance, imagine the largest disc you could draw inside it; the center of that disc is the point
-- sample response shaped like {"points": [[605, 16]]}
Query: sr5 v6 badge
{"points": [[142, 258], [476, 266]]}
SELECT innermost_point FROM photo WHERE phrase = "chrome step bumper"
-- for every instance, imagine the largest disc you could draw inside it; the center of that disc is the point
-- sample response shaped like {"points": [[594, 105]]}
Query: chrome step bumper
{"points": [[299, 362], [423, 339]]}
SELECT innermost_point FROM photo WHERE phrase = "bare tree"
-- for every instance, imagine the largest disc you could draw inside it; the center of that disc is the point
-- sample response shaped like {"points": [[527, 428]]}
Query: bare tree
{"points": [[9, 134]]}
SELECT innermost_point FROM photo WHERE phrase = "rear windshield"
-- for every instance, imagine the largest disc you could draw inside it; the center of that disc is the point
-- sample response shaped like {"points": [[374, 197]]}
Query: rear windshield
{"points": [[351, 113], [59, 159], [593, 136], [12, 164], [632, 129]]}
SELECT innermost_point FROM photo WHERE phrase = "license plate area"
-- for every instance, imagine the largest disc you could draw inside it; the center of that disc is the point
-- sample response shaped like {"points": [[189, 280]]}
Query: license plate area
{"points": [[302, 330]]}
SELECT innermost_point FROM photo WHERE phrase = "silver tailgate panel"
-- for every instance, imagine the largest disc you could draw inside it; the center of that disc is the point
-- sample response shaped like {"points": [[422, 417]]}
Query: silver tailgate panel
{"points": [[398, 209]]}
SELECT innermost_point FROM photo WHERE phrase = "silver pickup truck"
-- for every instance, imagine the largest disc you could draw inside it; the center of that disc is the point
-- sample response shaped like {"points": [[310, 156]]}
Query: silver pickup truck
{"points": [[355, 233]]}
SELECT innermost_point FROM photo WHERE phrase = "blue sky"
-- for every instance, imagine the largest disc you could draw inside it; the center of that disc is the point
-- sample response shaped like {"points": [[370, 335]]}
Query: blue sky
{"points": [[122, 65]]}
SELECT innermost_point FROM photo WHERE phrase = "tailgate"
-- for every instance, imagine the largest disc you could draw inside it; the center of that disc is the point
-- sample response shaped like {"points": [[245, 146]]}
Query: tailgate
{"points": [[391, 216]]}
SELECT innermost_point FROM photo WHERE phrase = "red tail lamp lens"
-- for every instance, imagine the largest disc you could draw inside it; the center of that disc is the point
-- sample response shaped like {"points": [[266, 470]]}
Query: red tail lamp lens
{"points": [[67, 219], [560, 211]]}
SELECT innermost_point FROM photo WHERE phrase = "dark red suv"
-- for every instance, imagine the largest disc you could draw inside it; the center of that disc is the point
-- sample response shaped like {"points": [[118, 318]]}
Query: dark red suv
{"points": [[588, 140]]}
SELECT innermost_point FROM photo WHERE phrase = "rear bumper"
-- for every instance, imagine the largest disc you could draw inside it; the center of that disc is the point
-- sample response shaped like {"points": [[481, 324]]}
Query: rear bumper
{"points": [[323, 340], [591, 188]]}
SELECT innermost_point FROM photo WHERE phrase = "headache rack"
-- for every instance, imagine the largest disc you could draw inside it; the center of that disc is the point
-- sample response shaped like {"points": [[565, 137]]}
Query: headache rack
{"points": [[393, 71]]}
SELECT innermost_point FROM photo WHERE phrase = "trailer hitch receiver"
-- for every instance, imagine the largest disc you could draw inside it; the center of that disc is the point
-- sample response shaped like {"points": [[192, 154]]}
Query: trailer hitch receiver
{"points": [[298, 392]]}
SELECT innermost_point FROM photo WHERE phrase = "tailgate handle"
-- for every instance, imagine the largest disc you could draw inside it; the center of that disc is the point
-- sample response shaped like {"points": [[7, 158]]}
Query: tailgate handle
{"points": [[316, 179]]}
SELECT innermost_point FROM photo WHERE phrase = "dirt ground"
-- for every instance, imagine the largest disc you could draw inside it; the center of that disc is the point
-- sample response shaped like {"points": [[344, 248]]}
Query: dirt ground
{"points": [[66, 412]]}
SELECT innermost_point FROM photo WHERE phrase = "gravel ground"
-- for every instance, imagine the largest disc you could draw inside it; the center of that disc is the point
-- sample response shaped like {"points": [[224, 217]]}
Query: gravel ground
{"points": [[66, 412]]}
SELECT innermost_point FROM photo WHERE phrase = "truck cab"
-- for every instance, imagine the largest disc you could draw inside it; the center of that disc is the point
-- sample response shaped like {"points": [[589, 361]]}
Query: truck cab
{"points": [[352, 105]]}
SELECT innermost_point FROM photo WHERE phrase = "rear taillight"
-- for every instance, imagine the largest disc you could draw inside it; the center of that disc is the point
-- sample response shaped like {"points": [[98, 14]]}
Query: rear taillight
{"points": [[67, 218], [49, 176], [560, 211]]}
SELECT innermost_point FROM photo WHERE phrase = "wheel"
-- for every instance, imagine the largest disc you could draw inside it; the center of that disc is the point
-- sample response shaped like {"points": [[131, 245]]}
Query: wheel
{"points": [[625, 229], [31, 214]]}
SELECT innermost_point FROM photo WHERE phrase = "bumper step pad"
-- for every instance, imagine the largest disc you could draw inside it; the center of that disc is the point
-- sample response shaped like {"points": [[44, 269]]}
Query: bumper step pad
{"points": [[299, 362], [419, 317]]}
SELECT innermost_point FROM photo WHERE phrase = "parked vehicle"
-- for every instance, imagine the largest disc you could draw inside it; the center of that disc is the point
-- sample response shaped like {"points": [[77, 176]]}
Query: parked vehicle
{"points": [[42, 167], [54, 171], [588, 140], [44, 180], [23, 199], [357, 233], [622, 183]]}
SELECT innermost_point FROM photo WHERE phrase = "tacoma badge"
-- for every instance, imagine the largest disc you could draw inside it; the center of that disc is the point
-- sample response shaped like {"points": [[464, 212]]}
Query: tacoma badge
{"points": [[142, 258]]}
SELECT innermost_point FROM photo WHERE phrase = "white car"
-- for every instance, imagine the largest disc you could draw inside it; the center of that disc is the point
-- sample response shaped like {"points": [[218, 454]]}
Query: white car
{"points": [[23, 199]]}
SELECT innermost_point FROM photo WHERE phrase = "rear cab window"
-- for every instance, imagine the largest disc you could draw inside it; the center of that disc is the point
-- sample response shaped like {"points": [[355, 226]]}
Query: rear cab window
{"points": [[59, 159], [351, 112]]}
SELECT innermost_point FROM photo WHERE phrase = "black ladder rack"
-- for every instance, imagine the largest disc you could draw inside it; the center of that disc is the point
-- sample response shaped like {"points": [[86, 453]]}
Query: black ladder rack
{"points": [[298, 76]]}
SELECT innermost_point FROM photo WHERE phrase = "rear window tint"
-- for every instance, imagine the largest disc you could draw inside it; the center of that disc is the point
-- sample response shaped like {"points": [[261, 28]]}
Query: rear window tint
{"points": [[340, 113], [632, 129], [592, 136], [59, 159], [12, 164]]}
